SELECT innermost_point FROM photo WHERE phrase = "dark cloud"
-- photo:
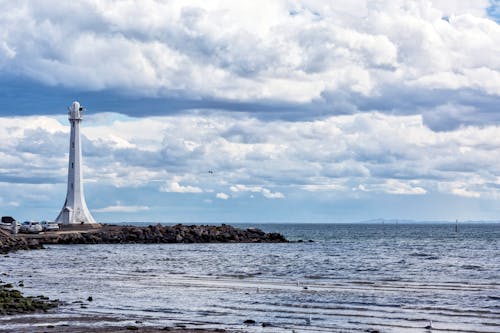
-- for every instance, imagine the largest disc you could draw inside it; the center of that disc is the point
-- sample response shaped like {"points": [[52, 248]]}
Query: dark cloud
{"points": [[22, 97]]}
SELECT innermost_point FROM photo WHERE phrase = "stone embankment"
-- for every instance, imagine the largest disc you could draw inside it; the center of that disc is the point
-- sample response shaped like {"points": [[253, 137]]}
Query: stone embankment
{"points": [[114, 234], [9, 243]]}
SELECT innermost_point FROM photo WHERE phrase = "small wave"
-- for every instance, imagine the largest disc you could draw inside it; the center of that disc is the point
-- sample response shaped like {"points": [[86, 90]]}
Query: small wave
{"points": [[431, 258], [391, 279], [363, 282], [369, 269], [472, 267], [242, 275], [315, 277], [423, 255]]}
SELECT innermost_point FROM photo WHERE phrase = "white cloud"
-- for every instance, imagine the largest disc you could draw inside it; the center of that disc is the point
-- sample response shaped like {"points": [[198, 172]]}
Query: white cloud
{"points": [[465, 193], [222, 195], [257, 189], [344, 155], [272, 195], [394, 186], [10, 203], [473, 187], [453, 7], [323, 187], [121, 209], [175, 187]]}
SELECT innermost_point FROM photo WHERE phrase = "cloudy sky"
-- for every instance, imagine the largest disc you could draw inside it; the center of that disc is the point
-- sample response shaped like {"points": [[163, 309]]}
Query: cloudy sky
{"points": [[253, 111]]}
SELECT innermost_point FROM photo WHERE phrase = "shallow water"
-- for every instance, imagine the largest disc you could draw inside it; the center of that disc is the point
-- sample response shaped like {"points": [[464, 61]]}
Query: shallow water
{"points": [[393, 278]]}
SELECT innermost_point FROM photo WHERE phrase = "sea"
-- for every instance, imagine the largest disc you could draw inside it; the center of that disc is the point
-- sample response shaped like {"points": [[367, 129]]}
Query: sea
{"points": [[330, 278]]}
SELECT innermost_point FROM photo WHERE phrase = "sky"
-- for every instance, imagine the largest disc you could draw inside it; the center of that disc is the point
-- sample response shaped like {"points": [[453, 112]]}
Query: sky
{"points": [[302, 111]]}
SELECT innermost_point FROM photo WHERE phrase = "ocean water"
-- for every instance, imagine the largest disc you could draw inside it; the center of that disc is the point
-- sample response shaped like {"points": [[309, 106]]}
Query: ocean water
{"points": [[352, 278]]}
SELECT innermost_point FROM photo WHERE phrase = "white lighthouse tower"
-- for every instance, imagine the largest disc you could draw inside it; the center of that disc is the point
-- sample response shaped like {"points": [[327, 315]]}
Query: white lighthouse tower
{"points": [[75, 209]]}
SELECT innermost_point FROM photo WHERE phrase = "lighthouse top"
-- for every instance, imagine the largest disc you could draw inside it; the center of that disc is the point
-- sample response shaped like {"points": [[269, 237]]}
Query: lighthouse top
{"points": [[75, 111]]}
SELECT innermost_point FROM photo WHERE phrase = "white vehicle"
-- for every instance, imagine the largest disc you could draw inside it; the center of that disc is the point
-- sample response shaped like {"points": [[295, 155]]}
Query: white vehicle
{"points": [[31, 227], [49, 226], [5, 226]]}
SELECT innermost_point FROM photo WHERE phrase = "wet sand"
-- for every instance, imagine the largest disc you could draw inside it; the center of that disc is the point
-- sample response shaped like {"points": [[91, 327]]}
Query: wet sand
{"points": [[23, 314], [63, 323]]}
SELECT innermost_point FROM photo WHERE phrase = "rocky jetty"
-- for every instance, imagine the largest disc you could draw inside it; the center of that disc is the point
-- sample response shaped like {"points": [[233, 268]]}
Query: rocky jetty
{"points": [[115, 234], [9, 243]]}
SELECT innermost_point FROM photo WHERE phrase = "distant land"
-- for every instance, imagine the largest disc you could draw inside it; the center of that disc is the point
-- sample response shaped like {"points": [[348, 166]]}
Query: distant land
{"points": [[396, 221]]}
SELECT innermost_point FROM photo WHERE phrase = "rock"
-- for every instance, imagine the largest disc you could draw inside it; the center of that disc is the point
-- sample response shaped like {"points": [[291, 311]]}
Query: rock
{"points": [[132, 328], [10, 243], [13, 302]]}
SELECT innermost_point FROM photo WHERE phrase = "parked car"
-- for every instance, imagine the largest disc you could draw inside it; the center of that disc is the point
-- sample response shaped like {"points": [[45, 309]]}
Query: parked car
{"points": [[49, 226], [6, 223], [30, 227], [8, 219], [5, 226]]}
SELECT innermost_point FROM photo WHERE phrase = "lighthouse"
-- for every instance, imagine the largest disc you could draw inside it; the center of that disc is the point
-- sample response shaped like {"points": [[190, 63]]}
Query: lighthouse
{"points": [[75, 209]]}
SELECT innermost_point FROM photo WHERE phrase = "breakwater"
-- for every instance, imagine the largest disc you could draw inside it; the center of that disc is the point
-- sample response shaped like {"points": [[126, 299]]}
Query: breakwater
{"points": [[10, 243], [118, 234]]}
